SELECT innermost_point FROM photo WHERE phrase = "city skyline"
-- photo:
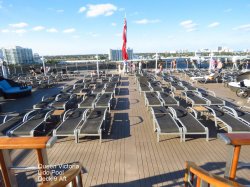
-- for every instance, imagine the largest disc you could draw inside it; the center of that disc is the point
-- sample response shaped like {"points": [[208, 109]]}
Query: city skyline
{"points": [[59, 27]]}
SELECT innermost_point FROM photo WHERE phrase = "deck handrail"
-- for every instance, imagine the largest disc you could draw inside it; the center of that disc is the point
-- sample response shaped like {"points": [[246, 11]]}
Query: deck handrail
{"points": [[26, 142], [7, 143], [234, 141], [73, 175], [205, 177]]}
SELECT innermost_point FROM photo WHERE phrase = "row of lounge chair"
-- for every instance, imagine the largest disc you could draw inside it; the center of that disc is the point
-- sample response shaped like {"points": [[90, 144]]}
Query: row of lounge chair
{"points": [[87, 119], [32, 123], [170, 118]]}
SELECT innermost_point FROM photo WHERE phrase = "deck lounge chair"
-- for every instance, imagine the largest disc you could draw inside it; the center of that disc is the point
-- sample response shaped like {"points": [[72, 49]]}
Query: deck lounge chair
{"points": [[3, 118], [89, 101], [230, 119], [65, 101], [176, 87], [242, 115], [115, 79], [67, 89], [78, 88], [156, 86], [104, 101], [194, 98], [32, 124], [44, 103], [10, 124], [164, 123], [99, 87], [152, 99], [211, 97], [188, 86], [93, 125], [80, 81], [190, 124], [11, 89], [144, 87], [168, 99], [71, 120], [213, 77], [110, 87]]}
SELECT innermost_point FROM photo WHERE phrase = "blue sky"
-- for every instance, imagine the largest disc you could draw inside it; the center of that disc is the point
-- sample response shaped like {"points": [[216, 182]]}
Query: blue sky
{"points": [[61, 27]]}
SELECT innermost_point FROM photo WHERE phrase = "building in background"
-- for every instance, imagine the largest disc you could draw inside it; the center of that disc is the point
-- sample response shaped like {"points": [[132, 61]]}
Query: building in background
{"points": [[1, 54], [116, 54], [37, 58], [17, 55]]}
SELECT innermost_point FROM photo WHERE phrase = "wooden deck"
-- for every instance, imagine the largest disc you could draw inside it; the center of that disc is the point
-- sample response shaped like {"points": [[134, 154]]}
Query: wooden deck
{"points": [[130, 155]]}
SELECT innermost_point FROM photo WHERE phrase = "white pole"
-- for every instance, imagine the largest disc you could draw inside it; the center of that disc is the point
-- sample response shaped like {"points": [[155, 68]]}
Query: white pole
{"points": [[156, 62], [2, 71], [44, 70], [97, 66]]}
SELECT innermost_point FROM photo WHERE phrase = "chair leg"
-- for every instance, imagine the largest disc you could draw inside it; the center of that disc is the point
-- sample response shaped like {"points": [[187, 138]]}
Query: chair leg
{"points": [[158, 137], [76, 138]]}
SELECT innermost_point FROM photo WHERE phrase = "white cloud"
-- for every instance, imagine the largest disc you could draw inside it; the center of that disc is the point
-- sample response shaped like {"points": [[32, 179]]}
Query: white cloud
{"points": [[228, 10], [147, 21], [38, 28], [82, 9], [101, 9], [60, 10], [188, 25], [214, 24], [245, 27], [52, 30], [113, 24], [20, 31], [70, 30], [93, 34], [19, 25], [5, 30]]}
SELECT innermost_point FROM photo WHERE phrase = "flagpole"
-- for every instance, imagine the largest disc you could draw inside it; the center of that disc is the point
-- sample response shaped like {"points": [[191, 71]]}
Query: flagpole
{"points": [[97, 65], [44, 70], [124, 45], [156, 62]]}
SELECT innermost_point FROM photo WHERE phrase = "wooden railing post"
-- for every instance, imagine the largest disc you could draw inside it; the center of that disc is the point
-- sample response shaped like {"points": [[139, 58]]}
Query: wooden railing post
{"points": [[232, 162], [8, 174]]}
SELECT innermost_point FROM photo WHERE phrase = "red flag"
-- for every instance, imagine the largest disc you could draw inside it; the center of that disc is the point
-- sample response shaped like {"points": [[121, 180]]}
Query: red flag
{"points": [[124, 46]]}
